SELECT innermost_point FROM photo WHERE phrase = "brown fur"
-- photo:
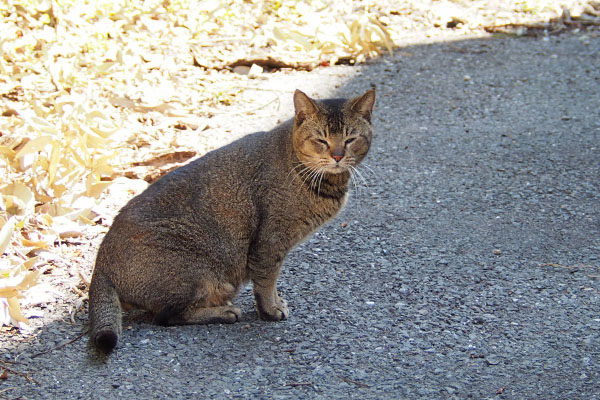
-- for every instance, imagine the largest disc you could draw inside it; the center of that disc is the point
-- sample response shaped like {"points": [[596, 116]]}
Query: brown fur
{"points": [[184, 247]]}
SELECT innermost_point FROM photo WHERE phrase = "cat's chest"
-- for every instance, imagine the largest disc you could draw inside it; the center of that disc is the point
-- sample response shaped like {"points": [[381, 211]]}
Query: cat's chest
{"points": [[312, 216]]}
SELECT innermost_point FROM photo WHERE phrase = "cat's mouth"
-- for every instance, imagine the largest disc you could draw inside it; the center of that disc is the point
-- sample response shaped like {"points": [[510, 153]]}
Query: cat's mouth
{"points": [[335, 168], [332, 168]]}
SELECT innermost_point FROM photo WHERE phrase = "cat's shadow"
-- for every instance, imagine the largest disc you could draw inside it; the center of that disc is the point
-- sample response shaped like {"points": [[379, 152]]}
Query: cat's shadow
{"points": [[137, 319]]}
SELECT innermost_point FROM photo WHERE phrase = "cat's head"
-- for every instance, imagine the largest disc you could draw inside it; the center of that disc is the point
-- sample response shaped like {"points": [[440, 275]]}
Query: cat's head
{"points": [[332, 135]]}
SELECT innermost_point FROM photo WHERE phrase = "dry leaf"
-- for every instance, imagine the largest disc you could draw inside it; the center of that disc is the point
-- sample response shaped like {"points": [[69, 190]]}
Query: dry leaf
{"points": [[7, 152], [14, 310], [6, 234], [18, 198], [15, 282]]}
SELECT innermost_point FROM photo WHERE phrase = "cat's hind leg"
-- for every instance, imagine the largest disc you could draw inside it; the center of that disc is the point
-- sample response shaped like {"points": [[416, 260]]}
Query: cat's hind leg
{"points": [[210, 304], [227, 314]]}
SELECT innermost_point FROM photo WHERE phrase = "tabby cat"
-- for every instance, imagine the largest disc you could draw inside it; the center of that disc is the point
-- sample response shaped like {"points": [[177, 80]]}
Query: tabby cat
{"points": [[183, 248]]}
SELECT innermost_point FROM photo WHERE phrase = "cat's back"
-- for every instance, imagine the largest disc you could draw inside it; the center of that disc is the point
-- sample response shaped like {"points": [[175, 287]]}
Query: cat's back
{"points": [[217, 183]]}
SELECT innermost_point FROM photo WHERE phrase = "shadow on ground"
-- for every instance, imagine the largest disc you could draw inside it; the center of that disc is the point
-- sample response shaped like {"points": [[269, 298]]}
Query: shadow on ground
{"points": [[467, 266]]}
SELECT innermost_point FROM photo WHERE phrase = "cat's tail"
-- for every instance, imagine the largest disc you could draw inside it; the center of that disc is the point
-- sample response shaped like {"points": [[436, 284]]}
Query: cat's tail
{"points": [[104, 313]]}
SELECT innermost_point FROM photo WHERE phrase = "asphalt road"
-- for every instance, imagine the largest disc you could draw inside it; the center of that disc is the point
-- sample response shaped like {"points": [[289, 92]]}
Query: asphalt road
{"points": [[467, 266]]}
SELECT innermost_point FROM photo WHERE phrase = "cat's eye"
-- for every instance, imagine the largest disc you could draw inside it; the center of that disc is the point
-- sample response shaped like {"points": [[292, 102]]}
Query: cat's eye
{"points": [[324, 142], [348, 141]]}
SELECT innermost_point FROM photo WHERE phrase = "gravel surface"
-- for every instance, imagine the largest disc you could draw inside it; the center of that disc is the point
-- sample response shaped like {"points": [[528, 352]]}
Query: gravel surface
{"points": [[467, 266]]}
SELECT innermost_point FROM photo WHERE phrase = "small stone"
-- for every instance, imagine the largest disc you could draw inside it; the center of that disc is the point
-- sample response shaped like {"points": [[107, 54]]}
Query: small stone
{"points": [[241, 69], [255, 71], [491, 360], [454, 23], [497, 252]]}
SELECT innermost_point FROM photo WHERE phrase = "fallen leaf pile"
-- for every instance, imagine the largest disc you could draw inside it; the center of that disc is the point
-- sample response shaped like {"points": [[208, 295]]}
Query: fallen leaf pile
{"points": [[91, 93]]}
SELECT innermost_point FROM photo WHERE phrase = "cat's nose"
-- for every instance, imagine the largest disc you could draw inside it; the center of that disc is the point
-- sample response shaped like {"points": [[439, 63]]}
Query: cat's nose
{"points": [[337, 154]]}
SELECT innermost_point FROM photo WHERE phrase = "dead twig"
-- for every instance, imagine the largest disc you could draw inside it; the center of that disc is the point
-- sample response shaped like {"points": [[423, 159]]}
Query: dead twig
{"points": [[60, 346], [264, 89], [75, 308], [273, 63], [18, 373], [552, 27], [252, 110], [358, 384], [559, 266], [295, 384], [78, 291], [6, 390], [461, 50], [268, 62], [576, 267], [84, 278]]}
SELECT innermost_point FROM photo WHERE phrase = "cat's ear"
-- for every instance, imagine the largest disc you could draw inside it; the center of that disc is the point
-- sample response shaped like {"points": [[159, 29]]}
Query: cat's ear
{"points": [[364, 104], [304, 105]]}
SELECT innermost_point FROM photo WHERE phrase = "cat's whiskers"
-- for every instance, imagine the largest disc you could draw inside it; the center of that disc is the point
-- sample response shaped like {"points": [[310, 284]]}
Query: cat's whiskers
{"points": [[360, 175], [322, 174], [307, 177], [326, 167], [299, 164], [352, 170], [302, 174], [367, 167], [310, 175], [357, 187], [316, 182], [360, 182]]}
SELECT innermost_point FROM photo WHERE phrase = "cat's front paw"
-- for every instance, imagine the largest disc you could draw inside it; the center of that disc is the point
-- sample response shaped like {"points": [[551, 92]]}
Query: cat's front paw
{"points": [[278, 311]]}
